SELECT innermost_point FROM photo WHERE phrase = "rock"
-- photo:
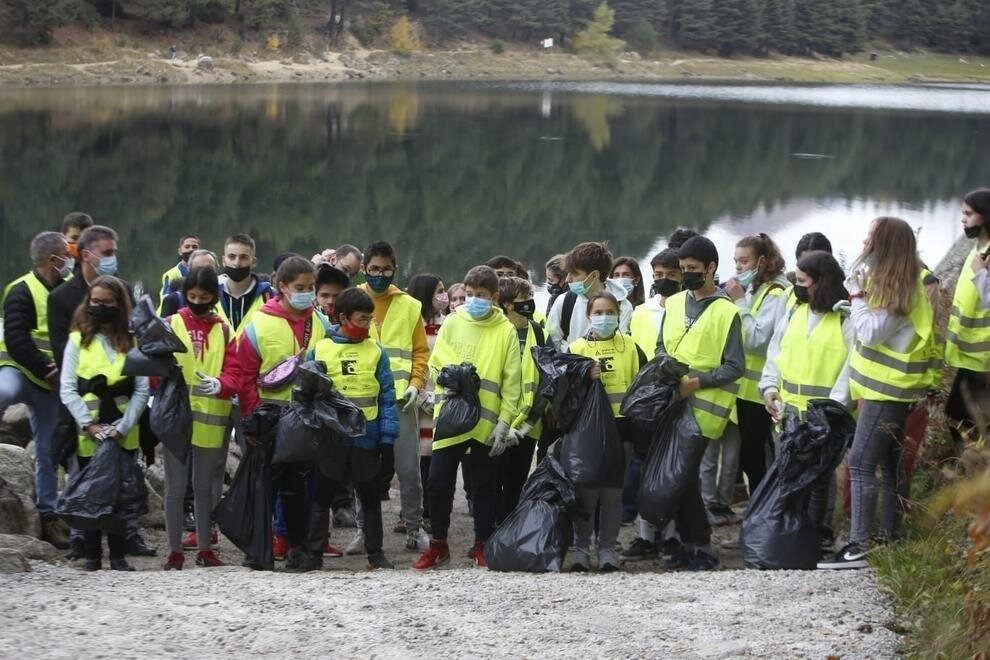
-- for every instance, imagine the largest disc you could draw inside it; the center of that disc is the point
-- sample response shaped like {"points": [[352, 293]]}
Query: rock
{"points": [[15, 427], [18, 514], [155, 474], [156, 509], [349, 60], [205, 62], [231, 468], [12, 561], [31, 548]]}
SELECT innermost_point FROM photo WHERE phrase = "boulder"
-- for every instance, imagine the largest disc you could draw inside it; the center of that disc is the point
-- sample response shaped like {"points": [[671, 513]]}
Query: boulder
{"points": [[155, 475], [18, 513], [15, 427], [31, 548], [12, 561], [156, 509], [205, 62]]}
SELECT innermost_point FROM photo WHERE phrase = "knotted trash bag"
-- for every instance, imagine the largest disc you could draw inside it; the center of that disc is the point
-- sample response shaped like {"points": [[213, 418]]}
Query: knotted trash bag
{"points": [[153, 335], [564, 382], [245, 512], [461, 409], [654, 389], [535, 536], [106, 494], [591, 452], [813, 447], [171, 417], [671, 464]]}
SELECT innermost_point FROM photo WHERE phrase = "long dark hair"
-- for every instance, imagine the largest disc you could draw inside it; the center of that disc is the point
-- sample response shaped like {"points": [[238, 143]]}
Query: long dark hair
{"points": [[979, 201], [638, 295], [421, 287], [829, 280], [119, 335]]}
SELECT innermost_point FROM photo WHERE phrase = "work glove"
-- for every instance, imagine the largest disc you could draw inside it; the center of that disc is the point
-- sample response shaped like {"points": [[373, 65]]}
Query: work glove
{"points": [[208, 385], [856, 281], [499, 439], [410, 397], [429, 403], [517, 434], [844, 307]]}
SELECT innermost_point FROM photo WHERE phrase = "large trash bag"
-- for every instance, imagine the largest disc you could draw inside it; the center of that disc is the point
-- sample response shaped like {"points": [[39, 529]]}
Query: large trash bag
{"points": [[654, 389], [245, 512], [171, 414], [536, 535], [564, 382], [671, 464], [92, 497], [461, 406], [591, 452], [132, 497], [813, 447], [137, 363], [299, 435], [153, 335], [262, 424]]}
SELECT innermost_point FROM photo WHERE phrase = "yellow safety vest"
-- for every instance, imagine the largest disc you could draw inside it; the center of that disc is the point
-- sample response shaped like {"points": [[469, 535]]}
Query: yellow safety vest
{"points": [[749, 384], [809, 366], [171, 275], [39, 294], [93, 361], [210, 414], [878, 373], [530, 383], [967, 339], [277, 342], [396, 336], [792, 300], [257, 304], [644, 329], [701, 348], [620, 364], [353, 368]]}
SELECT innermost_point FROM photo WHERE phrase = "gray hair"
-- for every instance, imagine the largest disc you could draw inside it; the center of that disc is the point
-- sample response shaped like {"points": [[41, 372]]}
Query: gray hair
{"points": [[200, 252], [44, 245], [93, 235]]}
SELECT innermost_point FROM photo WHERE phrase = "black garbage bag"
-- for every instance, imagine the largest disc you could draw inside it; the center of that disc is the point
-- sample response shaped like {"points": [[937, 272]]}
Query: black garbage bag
{"points": [[591, 452], [153, 335], [132, 497], [299, 435], [65, 438], [564, 382], [245, 512], [536, 535], [262, 425], [654, 389], [671, 464], [170, 418], [461, 407], [105, 494], [813, 447], [137, 363]]}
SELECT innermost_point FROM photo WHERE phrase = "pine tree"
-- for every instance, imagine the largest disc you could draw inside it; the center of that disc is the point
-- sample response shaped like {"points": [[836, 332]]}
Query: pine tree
{"points": [[776, 26], [694, 24], [32, 21], [630, 13], [735, 24], [848, 26]]}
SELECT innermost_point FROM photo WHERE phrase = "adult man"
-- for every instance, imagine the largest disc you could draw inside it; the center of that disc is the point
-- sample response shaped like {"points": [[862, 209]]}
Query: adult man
{"points": [[28, 372], [242, 293], [187, 245], [348, 259]]}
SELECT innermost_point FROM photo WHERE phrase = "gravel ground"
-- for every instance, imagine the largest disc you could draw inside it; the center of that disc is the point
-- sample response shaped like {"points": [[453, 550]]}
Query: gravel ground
{"points": [[344, 611]]}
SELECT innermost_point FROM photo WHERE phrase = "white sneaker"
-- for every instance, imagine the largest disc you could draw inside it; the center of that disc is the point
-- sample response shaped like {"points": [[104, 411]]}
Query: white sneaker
{"points": [[580, 560], [418, 541], [356, 546]]}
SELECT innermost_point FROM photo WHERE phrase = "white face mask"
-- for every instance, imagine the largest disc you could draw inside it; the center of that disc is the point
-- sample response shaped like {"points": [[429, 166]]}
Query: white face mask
{"points": [[626, 283]]}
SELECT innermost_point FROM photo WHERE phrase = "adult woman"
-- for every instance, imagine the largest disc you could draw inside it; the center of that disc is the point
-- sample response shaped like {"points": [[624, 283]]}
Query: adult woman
{"points": [[626, 271], [889, 371], [105, 404]]}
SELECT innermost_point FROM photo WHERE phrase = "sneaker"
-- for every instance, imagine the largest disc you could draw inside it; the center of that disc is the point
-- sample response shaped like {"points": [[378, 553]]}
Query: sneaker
{"points": [[77, 550], [55, 531], [680, 560], [174, 562], [120, 564], [208, 558], [702, 561], [437, 555], [93, 565], [731, 543], [640, 549], [852, 555], [356, 546], [671, 547], [478, 555], [280, 546], [417, 541], [378, 561], [400, 528], [580, 560], [189, 521], [299, 561], [136, 547], [344, 517], [608, 561], [826, 538], [332, 551], [191, 541]]}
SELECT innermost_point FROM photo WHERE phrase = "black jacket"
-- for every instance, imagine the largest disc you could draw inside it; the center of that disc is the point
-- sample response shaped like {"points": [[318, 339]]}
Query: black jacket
{"points": [[19, 319], [62, 304]]}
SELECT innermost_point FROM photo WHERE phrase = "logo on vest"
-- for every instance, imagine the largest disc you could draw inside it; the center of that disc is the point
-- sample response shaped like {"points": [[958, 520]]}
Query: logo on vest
{"points": [[348, 367], [608, 363]]}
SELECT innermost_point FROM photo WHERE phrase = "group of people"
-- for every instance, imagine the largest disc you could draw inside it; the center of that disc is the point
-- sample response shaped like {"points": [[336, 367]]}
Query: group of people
{"points": [[758, 347]]}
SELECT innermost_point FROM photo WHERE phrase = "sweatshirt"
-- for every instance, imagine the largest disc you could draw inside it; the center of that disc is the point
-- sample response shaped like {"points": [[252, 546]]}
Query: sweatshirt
{"points": [[420, 346]]}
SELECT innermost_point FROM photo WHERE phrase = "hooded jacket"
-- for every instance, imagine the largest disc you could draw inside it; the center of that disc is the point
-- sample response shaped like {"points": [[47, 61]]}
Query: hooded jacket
{"points": [[420, 346]]}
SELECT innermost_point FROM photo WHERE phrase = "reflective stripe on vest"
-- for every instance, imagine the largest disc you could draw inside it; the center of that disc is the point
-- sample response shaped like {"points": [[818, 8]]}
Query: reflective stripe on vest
{"points": [[701, 348], [749, 384], [277, 342], [967, 337], [530, 384], [619, 360], [210, 414], [93, 361], [353, 368], [809, 365], [396, 336], [39, 335]]}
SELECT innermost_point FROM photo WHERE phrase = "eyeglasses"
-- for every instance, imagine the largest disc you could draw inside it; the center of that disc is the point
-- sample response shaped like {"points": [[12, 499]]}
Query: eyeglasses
{"points": [[375, 270], [505, 273]]}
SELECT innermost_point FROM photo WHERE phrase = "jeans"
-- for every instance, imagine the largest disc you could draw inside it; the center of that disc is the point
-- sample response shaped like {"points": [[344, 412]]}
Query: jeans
{"points": [[718, 486], [443, 482], [407, 469], [43, 414], [878, 441]]}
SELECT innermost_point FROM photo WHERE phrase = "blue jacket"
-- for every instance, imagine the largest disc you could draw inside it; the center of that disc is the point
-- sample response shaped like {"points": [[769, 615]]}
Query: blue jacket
{"points": [[385, 429]]}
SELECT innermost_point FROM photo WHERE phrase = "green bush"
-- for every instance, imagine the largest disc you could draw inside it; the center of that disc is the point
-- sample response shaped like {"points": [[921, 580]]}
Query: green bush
{"points": [[643, 38], [297, 31], [498, 46]]}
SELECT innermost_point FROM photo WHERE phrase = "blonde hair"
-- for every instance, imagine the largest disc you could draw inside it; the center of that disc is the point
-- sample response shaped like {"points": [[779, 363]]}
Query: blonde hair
{"points": [[894, 269]]}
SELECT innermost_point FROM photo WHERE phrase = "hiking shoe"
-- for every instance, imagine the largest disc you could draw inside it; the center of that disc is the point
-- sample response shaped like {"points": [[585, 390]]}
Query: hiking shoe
{"points": [[608, 561], [299, 561], [332, 551], [55, 531], [208, 558], [93, 565], [580, 560], [77, 549], [702, 561], [437, 555], [280, 546], [478, 555], [400, 528], [189, 521], [378, 561], [344, 517], [191, 540], [136, 547], [356, 546], [174, 562], [852, 555], [670, 547], [640, 549], [417, 541], [680, 560], [120, 564]]}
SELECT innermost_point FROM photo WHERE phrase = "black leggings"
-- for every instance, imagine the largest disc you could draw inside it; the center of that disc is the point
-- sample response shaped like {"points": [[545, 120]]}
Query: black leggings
{"points": [[511, 470], [443, 482], [93, 540], [755, 428], [290, 481]]}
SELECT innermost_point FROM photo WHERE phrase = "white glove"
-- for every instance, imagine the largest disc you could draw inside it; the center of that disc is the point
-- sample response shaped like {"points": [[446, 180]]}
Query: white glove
{"points": [[855, 282], [410, 397], [844, 307], [208, 385], [499, 438], [516, 435], [428, 403]]}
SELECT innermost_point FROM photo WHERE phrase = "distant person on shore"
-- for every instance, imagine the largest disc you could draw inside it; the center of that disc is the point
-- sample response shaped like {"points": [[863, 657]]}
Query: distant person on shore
{"points": [[173, 52]]}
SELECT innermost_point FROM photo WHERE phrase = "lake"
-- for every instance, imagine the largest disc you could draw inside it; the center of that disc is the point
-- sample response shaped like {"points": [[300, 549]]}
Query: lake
{"points": [[453, 173]]}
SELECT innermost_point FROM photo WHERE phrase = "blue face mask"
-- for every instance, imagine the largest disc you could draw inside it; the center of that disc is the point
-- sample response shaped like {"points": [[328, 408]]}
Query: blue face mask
{"points": [[745, 279], [477, 308], [302, 301], [626, 283], [580, 288], [107, 266], [379, 283], [604, 326]]}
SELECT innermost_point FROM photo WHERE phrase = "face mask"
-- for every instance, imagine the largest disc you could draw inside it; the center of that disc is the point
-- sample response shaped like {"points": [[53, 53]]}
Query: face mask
{"points": [[328, 310], [200, 309], [301, 300], [379, 283], [525, 308], [237, 274], [440, 303], [626, 283], [972, 232], [693, 281], [554, 289], [68, 264], [746, 278], [665, 287], [477, 308], [604, 326], [185, 256], [579, 288], [107, 266], [801, 293], [354, 332], [74, 250], [102, 313]]}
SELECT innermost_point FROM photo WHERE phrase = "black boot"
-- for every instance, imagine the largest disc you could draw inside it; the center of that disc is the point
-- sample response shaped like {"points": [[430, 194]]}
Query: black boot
{"points": [[319, 529], [77, 549], [120, 564], [136, 547]]}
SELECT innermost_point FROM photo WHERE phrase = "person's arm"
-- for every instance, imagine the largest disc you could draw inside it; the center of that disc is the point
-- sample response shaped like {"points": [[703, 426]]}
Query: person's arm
{"points": [[625, 316], [59, 320], [556, 336], [420, 357], [770, 380], [511, 384], [982, 282], [840, 391], [733, 360], [69, 387], [388, 412], [250, 367], [873, 326], [758, 328], [135, 406], [230, 373], [19, 319]]}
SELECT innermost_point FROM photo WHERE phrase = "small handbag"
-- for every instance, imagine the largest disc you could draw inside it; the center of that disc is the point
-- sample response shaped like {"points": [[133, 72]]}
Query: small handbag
{"points": [[284, 373]]}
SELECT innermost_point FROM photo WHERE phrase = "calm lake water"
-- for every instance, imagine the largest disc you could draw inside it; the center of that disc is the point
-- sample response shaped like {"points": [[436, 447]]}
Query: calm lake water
{"points": [[455, 173]]}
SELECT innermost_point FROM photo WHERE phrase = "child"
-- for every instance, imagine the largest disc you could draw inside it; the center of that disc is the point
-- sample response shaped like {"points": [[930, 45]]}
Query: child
{"points": [[617, 360], [480, 334]]}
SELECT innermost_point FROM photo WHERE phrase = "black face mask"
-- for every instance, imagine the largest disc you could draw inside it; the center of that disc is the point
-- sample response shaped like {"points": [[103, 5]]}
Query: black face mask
{"points": [[693, 281], [554, 289], [665, 287], [973, 232], [801, 293], [237, 274], [185, 256], [200, 309], [525, 308], [102, 313]]}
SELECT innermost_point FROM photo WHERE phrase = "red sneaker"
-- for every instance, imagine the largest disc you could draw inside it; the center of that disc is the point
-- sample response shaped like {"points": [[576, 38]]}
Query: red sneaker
{"points": [[174, 562], [478, 555], [191, 541], [332, 551], [280, 545], [207, 558], [437, 555]]}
